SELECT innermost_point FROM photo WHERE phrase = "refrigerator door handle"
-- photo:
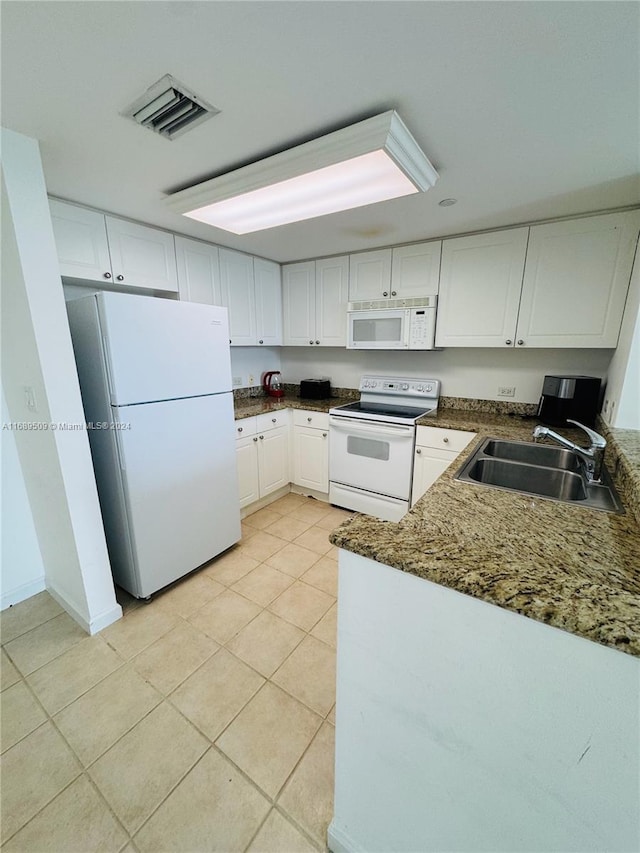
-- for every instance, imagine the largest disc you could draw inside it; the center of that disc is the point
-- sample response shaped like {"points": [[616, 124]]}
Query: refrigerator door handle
{"points": [[107, 365], [119, 449]]}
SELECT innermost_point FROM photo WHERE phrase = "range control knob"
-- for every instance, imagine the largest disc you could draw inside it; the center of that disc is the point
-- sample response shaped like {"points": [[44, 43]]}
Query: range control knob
{"points": [[428, 388], [420, 388], [405, 386]]}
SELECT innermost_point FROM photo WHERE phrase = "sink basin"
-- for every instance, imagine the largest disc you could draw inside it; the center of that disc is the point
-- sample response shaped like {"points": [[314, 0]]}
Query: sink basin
{"points": [[533, 454], [548, 482], [540, 471]]}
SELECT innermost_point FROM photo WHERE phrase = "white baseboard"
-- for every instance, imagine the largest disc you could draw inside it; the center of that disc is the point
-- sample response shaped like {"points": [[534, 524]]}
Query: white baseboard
{"points": [[91, 626], [21, 593], [310, 493], [339, 842], [263, 502]]}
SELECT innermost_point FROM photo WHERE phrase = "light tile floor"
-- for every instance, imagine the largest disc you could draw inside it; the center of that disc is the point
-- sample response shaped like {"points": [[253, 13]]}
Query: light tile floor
{"points": [[201, 721]]}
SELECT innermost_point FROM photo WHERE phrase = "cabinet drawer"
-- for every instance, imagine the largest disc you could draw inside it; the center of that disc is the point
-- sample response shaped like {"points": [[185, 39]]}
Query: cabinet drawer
{"points": [[443, 439], [271, 420], [318, 420], [246, 426]]}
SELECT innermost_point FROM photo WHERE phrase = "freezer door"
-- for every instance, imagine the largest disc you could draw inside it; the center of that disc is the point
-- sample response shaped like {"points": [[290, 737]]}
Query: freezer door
{"points": [[160, 349], [181, 489]]}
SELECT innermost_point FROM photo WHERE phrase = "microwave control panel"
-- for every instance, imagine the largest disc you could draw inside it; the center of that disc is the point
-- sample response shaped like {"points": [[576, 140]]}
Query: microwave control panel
{"points": [[418, 328]]}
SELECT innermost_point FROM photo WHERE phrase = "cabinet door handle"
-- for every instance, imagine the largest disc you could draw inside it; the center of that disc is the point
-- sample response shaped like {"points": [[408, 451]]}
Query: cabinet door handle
{"points": [[261, 438], [260, 342], [418, 451], [520, 342], [394, 293], [239, 429], [310, 342], [273, 420], [508, 342], [385, 293], [255, 439], [446, 440], [120, 278], [317, 342], [309, 420], [107, 275], [324, 435]]}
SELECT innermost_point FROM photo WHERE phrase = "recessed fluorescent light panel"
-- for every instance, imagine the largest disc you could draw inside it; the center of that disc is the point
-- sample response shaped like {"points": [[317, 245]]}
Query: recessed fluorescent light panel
{"points": [[374, 160]]}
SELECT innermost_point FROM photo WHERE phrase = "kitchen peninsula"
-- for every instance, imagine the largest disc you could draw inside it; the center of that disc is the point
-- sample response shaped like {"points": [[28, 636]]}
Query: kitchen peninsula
{"points": [[462, 725], [488, 662]]}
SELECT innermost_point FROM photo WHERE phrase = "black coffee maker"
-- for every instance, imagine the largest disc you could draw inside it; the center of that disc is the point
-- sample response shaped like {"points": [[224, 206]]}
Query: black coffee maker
{"points": [[569, 397]]}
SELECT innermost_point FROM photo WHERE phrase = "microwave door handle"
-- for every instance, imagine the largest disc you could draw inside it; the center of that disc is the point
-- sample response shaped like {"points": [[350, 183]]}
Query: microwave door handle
{"points": [[347, 425]]}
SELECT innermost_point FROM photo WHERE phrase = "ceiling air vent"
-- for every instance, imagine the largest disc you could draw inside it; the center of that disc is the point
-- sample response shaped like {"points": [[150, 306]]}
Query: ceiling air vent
{"points": [[169, 108]]}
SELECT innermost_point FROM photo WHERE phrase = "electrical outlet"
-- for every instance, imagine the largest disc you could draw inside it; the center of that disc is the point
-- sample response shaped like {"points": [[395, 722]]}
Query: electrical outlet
{"points": [[251, 380], [507, 391], [237, 381]]}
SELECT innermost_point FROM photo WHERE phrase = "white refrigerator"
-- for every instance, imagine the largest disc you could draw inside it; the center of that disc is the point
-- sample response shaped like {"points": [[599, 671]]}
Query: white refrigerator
{"points": [[155, 376]]}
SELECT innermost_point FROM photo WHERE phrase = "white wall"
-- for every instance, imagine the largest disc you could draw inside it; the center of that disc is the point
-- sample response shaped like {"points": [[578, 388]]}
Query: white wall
{"points": [[249, 363], [37, 353], [462, 726], [628, 415], [622, 399], [474, 373], [21, 566]]}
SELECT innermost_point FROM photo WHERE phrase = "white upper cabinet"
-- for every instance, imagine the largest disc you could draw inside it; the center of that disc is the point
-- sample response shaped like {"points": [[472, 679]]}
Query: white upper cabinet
{"points": [[81, 242], [566, 288], [299, 303], [401, 273], [252, 291], [268, 302], [370, 275], [480, 286], [141, 256], [236, 277], [95, 247], [415, 270], [332, 292], [198, 271], [315, 302], [575, 281], [248, 287]]}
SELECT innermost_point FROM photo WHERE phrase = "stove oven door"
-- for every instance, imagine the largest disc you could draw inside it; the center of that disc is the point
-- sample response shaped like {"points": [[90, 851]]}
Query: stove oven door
{"points": [[370, 455]]}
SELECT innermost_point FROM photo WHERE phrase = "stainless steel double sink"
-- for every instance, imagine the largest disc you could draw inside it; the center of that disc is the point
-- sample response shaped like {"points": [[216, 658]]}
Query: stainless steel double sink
{"points": [[538, 470]]}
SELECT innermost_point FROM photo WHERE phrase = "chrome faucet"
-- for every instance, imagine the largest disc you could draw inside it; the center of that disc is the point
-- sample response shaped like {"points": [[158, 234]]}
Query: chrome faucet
{"points": [[592, 456]]}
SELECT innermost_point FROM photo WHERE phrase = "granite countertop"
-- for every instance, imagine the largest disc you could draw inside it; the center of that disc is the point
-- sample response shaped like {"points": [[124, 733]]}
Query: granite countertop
{"points": [[576, 569], [250, 406]]}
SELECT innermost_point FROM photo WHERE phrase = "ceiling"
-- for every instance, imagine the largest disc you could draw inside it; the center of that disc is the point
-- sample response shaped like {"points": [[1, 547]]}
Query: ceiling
{"points": [[528, 110]]}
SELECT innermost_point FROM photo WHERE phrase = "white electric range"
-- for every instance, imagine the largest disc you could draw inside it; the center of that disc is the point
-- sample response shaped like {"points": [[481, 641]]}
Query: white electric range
{"points": [[372, 443]]}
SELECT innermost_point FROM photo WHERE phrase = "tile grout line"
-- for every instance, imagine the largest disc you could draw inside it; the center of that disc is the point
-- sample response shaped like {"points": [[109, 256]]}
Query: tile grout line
{"points": [[173, 788], [83, 770], [166, 698], [3, 643]]}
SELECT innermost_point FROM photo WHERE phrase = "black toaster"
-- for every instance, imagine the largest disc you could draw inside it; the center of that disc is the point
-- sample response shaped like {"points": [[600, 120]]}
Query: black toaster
{"points": [[315, 389]]}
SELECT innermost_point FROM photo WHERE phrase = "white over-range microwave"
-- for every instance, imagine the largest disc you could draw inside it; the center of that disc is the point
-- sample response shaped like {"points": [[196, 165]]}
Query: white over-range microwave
{"points": [[408, 324]]}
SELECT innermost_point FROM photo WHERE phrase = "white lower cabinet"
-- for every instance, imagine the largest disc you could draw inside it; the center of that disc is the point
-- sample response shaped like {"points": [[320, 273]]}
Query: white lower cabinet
{"points": [[436, 449], [311, 450], [262, 453]]}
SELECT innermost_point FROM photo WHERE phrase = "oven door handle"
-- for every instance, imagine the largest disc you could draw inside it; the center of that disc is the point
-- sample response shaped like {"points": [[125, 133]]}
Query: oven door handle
{"points": [[352, 425]]}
